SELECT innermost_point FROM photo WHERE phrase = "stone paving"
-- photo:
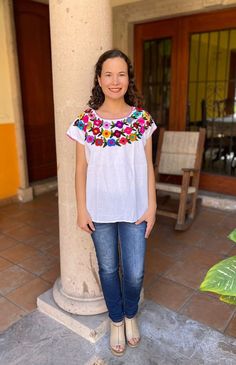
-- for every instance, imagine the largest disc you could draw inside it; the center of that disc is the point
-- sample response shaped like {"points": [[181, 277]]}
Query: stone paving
{"points": [[168, 338]]}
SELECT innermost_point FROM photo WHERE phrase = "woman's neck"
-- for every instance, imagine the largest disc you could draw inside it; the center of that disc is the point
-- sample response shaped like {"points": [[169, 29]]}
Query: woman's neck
{"points": [[114, 107]]}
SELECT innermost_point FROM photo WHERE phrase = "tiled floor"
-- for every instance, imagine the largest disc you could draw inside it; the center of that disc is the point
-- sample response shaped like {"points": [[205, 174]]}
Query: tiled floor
{"points": [[176, 262]]}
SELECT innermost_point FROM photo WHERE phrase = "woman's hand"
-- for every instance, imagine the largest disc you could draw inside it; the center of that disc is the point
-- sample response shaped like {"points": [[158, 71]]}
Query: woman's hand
{"points": [[150, 217], [84, 221]]}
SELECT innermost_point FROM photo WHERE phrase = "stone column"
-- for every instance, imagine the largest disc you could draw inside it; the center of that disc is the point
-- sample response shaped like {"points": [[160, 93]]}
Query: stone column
{"points": [[80, 31]]}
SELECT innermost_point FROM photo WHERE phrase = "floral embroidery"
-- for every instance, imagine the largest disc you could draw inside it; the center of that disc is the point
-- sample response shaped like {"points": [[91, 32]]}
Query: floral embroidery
{"points": [[103, 133]]}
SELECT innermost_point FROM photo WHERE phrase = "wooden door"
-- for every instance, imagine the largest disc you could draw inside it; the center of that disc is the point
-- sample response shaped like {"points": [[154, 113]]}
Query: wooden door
{"points": [[34, 54], [181, 31]]}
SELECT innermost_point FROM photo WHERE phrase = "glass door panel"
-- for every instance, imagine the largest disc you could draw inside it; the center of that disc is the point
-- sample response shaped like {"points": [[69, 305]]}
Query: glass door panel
{"points": [[212, 97], [156, 78]]}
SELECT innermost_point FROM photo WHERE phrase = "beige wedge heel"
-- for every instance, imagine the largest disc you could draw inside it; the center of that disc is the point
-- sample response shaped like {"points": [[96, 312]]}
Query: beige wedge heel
{"points": [[132, 332], [117, 338]]}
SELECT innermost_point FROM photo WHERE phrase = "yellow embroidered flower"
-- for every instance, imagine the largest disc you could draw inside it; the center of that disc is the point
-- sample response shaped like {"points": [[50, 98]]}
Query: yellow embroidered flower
{"points": [[146, 115], [106, 133], [81, 116], [90, 125], [132, 137]]}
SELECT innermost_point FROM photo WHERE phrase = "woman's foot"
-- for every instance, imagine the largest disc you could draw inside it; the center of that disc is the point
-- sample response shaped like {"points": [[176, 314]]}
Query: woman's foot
{"points": [[132, 332], [117, 338]]}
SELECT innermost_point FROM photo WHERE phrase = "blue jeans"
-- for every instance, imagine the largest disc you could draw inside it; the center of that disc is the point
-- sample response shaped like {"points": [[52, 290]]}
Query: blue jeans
{"points": [[121, 295]]}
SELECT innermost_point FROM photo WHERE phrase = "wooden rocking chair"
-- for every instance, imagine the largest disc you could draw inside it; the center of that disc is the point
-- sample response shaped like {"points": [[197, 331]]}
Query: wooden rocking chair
{"points": [[180, 153]]}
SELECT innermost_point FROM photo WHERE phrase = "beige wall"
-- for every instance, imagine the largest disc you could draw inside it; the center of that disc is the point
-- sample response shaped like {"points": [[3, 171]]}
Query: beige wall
{"points": [[6, 107]]}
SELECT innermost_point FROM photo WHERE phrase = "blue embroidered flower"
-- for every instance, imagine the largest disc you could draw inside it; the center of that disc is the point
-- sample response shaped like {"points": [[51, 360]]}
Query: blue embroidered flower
{"points": [[111, 142], [80, 125]]}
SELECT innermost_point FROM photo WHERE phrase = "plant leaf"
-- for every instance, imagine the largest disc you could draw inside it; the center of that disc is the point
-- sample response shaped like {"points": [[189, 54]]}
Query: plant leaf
{"points": [[232, 235], [221, 278], [228, 299]]}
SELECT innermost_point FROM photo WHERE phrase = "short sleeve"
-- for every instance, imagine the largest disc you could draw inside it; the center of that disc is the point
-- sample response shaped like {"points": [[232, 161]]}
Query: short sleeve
{"points": [[151, 126], [77, 129]]}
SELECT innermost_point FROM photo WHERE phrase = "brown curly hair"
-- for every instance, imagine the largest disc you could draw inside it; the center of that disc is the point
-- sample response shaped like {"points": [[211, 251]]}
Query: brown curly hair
{"points": [[131, 96]]}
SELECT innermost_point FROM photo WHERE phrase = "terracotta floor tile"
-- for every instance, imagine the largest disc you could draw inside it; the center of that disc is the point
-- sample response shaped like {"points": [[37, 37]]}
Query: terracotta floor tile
{"points": [[232, 252], [39, 263], [173, 248], [24, 233], [52, 274], [186, 273], [6, 242], [43, 241], [231, 328], [26, 295], [149, 280], [18, 253], [204, 257], [53, 228], [168, 293], [54, 251], [10, 313], [208, 310], [157, 263], [13, 277], [7, 223], [220, 245], [4, 264]]}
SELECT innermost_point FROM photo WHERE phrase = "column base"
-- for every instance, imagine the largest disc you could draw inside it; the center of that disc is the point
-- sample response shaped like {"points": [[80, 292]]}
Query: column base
{"points": [[25, 194], [82, 306], [92, 328]]}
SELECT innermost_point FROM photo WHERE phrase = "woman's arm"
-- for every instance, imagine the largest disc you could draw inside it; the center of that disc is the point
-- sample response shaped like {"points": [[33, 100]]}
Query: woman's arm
{"points": [[84, 220], [150, 215]]}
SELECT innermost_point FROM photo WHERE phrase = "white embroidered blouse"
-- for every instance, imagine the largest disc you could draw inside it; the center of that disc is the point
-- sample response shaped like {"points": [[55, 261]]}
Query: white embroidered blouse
{"points": [[117, 181]]}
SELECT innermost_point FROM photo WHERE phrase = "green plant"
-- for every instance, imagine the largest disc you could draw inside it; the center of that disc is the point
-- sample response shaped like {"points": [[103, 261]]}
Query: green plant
{"points": [[221, 278]]}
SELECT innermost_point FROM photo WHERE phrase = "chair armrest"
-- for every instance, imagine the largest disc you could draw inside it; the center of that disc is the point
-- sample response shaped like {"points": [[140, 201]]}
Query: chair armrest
{"points": [[190, 170]]}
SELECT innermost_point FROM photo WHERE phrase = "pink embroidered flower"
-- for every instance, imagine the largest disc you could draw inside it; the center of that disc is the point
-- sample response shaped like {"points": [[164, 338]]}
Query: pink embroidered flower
{"points": [[117, 134], [123, 140], [142, 129], [106, 125], [85, 118], [90, 139], [96, 131], [99, 142], [98, 122], [141, 121], [128, 130]]}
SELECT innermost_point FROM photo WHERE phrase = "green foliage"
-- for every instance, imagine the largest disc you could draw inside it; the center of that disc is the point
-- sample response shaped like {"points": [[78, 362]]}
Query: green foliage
{"points": [[221, 278], [232, 235]]}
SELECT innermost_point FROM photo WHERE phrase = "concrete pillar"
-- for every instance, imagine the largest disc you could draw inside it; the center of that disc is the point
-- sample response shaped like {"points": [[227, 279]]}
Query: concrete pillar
{"points": [[80, 31]]}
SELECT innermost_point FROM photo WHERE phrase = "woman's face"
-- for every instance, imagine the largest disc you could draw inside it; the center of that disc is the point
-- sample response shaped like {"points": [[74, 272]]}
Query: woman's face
{"points": [[114, 79]]}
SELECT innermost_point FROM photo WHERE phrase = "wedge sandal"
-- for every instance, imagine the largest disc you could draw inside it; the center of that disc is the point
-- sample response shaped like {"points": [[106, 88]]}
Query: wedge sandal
{"points": [[117, 338], [132, 331]]}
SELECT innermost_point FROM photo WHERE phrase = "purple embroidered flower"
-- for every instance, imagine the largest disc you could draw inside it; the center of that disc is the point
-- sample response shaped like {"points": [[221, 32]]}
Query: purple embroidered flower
{"points": [[111, 142], [90, 139], [106, 125], [117, 134], [119, 124]]}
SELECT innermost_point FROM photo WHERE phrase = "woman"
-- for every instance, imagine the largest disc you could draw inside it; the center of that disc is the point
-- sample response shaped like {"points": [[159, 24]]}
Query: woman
{"points": [[115, 189]]}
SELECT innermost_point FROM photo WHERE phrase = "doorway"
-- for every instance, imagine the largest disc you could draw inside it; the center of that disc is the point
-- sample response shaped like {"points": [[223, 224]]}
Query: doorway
{"points": [[34, 55], [185, 68]]}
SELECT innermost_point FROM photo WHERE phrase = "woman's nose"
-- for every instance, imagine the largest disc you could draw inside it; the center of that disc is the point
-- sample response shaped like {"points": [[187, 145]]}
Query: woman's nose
{"points": [[115, 80]]}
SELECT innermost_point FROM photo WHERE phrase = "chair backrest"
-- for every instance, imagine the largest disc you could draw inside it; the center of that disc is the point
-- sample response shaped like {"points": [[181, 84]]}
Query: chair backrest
{"points": [[178, 150]]}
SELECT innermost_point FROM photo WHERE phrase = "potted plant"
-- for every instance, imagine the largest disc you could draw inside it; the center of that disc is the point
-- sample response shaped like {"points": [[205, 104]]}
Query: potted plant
{"points": [[221, 278]]}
